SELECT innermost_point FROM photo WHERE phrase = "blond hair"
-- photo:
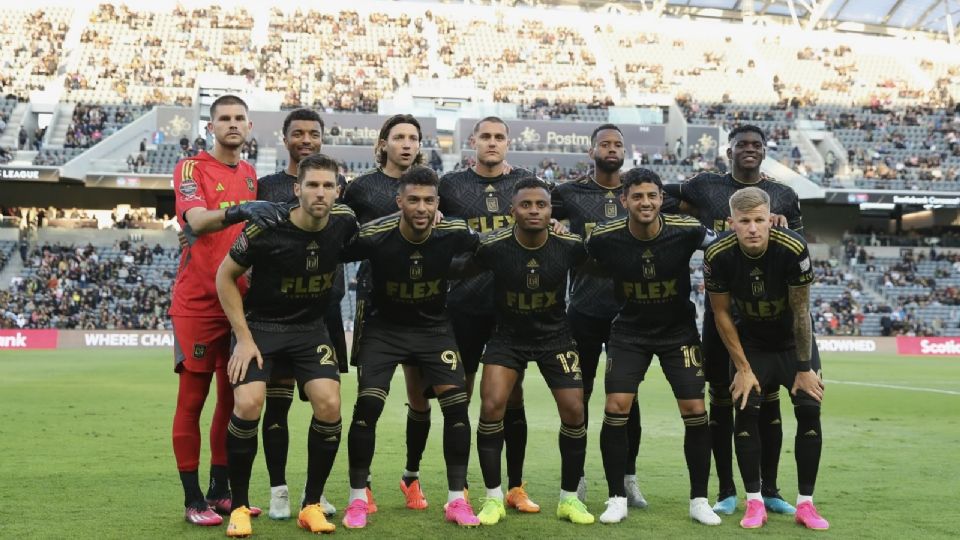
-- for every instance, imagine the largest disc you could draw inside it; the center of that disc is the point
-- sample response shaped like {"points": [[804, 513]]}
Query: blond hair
{"points": [[747, 199]]}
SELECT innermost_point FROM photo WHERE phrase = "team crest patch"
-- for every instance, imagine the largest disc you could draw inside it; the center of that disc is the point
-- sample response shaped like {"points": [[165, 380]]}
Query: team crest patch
{"points": [[250, 185], [533, 277], [610, 209], [199, 350], [493, 204], [757, 288], [416, 266], [649, 270]]}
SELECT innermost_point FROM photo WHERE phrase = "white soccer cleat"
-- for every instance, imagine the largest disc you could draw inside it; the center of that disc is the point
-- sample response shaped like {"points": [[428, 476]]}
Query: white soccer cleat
{"points": [[634, 497], [582, 489], [279, 503], [616, 510], [328, 509], [701, 511]]}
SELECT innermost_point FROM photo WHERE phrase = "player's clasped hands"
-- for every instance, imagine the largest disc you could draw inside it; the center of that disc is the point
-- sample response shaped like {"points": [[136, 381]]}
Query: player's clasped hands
{"points": [[809, 382], [240, 360], [743, 383]]}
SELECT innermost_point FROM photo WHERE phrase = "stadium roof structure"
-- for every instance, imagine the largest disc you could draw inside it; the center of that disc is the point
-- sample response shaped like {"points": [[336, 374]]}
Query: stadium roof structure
{"points": [[868, 16]]}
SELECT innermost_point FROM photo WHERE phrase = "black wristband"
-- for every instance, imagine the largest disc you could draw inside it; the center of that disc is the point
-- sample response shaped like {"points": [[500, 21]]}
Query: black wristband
{"points": [[232, 215], [803, 366]]}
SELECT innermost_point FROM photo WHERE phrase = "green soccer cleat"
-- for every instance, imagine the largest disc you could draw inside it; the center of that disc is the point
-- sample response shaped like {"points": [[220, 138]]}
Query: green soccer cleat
{"points": [[572, 509], [491, 511]]}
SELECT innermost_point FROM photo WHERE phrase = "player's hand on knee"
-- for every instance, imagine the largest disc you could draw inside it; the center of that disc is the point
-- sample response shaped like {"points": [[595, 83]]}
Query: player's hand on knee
{"points": [[744, 382], [263, 214], [240, 360], [807, 381]]}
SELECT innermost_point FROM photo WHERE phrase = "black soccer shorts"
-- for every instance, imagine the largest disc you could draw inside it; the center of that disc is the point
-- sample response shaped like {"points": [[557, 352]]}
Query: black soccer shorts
{"points": [[472, 332], [310, 354], [773, 369], [433, 350], [591, 334], [628, 362], [559, 363]]}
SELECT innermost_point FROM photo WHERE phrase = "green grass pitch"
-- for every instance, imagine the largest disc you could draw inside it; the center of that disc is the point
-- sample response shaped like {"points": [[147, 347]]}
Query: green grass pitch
{"points": [[85, 452]]}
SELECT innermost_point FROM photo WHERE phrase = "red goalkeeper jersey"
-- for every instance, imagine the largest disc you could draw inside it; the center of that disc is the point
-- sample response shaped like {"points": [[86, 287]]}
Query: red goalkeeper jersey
{"points": [[203, 182]]}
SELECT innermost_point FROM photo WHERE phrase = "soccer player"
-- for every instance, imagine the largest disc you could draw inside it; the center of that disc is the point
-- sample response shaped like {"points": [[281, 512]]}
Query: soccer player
{"points": [[373, 195], [766, 272], [648, 256], [303, 136], [407, 323], [281, 321], [706, 195], [584, 203], [481, 195], [529, 263], [214, 192]]}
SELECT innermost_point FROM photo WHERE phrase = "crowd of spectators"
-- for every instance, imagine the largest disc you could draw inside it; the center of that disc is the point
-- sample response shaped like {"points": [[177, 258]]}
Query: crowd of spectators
{"points": [[72, 287], [31, 46], [91, 124]]}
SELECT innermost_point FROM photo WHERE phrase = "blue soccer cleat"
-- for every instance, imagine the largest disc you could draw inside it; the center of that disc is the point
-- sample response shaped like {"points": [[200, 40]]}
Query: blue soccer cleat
{"points": [[779, 506], [726, 506]]}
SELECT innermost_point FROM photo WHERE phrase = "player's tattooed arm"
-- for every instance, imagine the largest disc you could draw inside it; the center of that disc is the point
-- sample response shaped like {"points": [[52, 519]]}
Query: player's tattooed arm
{"points": [[806, 379], [232, 302], [744, 381]]}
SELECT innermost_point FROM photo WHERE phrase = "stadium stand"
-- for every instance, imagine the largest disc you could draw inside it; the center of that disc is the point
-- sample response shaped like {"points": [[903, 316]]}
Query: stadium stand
{"points": [[891, 120]]}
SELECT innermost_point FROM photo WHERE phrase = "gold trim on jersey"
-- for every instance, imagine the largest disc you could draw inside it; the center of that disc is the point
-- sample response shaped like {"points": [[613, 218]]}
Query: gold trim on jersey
{"points": [[453, 225], [186, 170], [565, 236], [252, 230], [342, 209], [609, 226], [721, 245], [785, 239], [382, 227], [497, 236], [680, 221]]}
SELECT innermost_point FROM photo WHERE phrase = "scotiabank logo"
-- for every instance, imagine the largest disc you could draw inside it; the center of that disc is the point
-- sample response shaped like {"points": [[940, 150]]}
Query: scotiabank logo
{"points": [[929, 346], [28, 339]]}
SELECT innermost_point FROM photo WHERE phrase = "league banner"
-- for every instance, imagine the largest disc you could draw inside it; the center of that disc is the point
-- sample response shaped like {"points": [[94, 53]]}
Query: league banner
{"points": [[27, 339], [929, 346]]}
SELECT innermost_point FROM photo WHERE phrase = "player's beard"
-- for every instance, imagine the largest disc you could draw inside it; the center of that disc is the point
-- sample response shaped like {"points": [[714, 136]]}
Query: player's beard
{"points": [[608, 167], [490, 162]]}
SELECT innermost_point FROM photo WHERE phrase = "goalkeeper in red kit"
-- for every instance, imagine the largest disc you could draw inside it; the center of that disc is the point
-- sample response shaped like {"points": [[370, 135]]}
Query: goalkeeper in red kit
{"points": [[215, 194]]}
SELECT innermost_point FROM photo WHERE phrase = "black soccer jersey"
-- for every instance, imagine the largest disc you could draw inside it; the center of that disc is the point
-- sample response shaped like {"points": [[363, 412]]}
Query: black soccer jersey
{"points": [[710, 193], [410, 279], [530, 285], [651, 277], [758, 285], [293, 271], [484, 203], [585, 204], [278, 187], [372, 195]]}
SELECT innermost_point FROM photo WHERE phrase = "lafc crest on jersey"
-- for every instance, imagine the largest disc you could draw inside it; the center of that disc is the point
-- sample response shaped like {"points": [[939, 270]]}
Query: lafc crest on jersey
{"points": [[756, 282], [493, 204], [610, 205], [416, 265], [313, 257], [533, 274], [649, 270]]}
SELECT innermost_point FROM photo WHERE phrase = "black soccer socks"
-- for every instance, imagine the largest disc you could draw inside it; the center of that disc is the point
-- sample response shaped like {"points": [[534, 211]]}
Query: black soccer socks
{"points": [[323, 441], [241, 450], [613, 450], [515, 435], [456, 436], [276, 436]]}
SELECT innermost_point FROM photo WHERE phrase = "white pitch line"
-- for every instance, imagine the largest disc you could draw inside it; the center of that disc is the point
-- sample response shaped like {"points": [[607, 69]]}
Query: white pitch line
{"points": [[897, 387]]}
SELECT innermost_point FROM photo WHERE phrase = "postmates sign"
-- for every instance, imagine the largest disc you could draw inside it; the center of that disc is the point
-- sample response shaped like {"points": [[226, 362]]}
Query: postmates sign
{"points": [[28, 339]]}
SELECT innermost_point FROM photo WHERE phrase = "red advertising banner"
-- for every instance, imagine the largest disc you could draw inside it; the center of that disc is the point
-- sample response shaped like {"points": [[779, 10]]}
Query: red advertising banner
{"points": [[27, 339], [929, 346]]}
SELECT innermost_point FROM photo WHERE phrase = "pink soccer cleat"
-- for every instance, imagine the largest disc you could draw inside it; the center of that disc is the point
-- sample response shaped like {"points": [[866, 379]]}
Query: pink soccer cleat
{"points": [[460, 512], [203, 515], [755, 516], [355, 516], [808, 517]]}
